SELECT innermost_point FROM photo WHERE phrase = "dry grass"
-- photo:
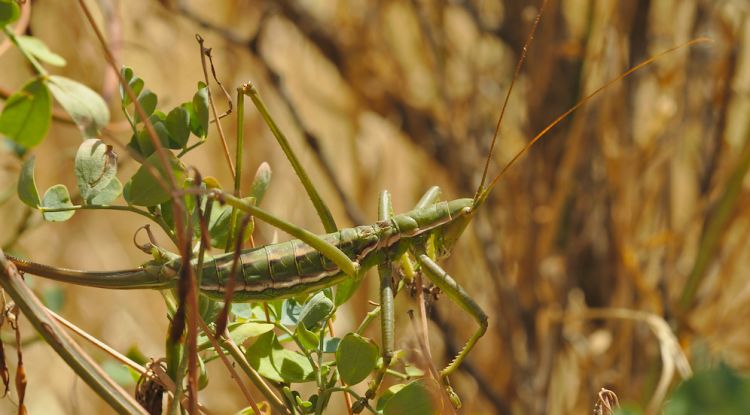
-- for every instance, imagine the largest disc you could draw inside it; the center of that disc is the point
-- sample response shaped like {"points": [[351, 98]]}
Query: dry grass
{"points": [[612, 209]]}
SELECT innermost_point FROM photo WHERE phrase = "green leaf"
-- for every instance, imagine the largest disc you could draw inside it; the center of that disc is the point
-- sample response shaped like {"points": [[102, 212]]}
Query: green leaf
{"points": [[260, 182], [240, 332], [86, 107], [39, 50], [9, 12], [259, 356], [272, 361], [55, 197], [27, 114], [209, 308], [308, 339], [315, 310], [95, 167], [178, 124], [718, 391], [200, 106], [412, 399], [292, 366], [135, 83], [148, 101], [27, 185], [219, 222], [108, 195], [143, 189], [356, 357]]}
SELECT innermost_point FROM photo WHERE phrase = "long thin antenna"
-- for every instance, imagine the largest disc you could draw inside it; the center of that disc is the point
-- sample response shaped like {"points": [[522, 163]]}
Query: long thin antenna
{"points": [[478, 199], [526, 44]]}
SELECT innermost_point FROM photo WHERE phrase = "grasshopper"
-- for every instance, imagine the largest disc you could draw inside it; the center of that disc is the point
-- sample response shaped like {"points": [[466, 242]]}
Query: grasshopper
{"points": [[310, 263]]}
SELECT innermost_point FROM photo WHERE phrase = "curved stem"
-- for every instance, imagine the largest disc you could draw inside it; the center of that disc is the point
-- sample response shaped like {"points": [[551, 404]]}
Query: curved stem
{"points": [[127, 208]]}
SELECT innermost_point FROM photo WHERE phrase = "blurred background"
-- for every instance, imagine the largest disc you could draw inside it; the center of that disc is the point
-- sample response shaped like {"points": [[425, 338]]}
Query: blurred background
{"points": [[637, 201]]}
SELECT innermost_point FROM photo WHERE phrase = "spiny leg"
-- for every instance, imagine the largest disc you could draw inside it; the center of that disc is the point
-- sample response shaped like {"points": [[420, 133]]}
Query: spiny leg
{"points": [[455, 292], [385, 271]]}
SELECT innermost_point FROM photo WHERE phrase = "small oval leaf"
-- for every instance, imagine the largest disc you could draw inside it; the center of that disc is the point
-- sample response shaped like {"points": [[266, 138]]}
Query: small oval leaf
{"points": [[200, 107], [57, 197], [135, 83], [260, 182], [39, 50], [86, 107], [143, 189], [178, 124], [412, 399], [148, 101], [309, 340], [27, 114], [315, 310], [356, 357], [27, 185]]}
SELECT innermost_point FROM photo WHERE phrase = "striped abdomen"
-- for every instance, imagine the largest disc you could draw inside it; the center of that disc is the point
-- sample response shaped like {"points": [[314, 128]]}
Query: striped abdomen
{"points": [[290, 268]]}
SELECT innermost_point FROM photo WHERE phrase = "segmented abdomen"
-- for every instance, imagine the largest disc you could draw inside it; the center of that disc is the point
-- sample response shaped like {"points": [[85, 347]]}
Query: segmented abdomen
{"points": [[289, 268]]}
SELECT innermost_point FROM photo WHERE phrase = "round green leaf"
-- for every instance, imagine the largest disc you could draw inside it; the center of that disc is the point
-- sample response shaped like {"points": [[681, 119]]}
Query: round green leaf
{"points": [[143, 189], [27, 185], [95, 167], [9, 12], [356, 357], [56, 197], [27, 114], [200, 106], [39, 50], [86, 107], [412, 399]]}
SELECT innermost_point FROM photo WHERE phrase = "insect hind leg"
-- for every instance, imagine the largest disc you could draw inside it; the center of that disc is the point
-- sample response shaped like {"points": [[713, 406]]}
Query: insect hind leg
{"points": [[455, 292]]}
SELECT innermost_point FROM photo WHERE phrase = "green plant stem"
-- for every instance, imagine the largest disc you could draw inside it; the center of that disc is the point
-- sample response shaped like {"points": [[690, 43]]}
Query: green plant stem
{"points": [[190, 148], [157, 219], [61, 342]]}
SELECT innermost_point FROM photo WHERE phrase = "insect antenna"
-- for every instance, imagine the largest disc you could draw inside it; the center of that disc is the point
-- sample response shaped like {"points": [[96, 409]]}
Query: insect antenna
{"points": [[483, 192], [480, 189]]}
